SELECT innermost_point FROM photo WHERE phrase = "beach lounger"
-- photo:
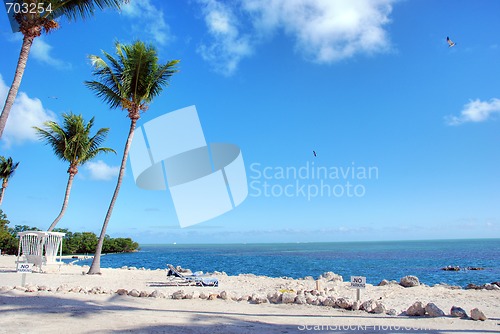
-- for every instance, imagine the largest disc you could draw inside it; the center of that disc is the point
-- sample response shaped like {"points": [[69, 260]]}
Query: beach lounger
{"points": [[196, 279]]}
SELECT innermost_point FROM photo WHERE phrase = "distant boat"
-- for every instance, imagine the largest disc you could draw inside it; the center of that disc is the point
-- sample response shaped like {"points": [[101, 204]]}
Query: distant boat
{"points": [[175, 243]]}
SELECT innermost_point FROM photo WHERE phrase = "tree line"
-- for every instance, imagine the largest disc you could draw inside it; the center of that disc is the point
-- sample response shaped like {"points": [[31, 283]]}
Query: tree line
{"points": [[73, 243]]}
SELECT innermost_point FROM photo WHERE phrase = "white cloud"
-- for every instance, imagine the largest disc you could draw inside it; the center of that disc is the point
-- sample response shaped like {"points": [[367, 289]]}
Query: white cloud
{"points": [[326, 31], [25, 113], [476, 111], [151, 20], [229, 46], [323, 31], [99, 170], [41, 51]]}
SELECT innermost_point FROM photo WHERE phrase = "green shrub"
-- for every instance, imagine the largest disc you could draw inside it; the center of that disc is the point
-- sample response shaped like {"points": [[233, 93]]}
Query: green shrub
{"points": [[73, 243]]}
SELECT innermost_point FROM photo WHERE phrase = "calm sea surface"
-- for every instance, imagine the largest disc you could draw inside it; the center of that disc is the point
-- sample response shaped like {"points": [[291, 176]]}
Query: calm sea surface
{"points": [[376, 260]]}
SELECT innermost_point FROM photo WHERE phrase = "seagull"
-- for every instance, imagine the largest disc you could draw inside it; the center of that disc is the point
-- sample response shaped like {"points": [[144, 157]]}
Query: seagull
{"points": [[314, 152], [53, 97], [450, 42]]}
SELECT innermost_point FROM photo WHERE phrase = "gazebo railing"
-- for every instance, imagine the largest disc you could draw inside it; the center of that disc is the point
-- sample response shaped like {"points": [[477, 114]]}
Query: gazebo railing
{"points": [[40, 247]]}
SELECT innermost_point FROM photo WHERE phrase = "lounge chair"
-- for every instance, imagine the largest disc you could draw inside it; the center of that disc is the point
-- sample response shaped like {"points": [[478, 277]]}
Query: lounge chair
{"points": [[197, 279]]}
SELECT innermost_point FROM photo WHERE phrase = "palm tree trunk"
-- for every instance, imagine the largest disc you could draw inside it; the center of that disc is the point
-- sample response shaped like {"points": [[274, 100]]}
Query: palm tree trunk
{"points": [[4, 185], [95, 268], [21, 65], [65, 202]]}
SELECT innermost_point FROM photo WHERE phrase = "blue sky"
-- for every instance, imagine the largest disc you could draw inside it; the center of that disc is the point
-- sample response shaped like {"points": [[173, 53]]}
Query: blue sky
{"points": [[365, 84]]}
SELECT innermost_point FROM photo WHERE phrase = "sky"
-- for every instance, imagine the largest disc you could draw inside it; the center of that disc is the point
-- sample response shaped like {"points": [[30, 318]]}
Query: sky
{"points": [[406, 129]]}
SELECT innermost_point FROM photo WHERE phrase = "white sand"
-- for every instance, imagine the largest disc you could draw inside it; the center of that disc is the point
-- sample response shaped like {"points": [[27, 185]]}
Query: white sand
{"points": [[71, 312]]}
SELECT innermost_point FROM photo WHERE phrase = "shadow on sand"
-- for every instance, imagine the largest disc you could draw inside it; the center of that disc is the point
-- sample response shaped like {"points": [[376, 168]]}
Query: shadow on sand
{"points": [[166, 320]]}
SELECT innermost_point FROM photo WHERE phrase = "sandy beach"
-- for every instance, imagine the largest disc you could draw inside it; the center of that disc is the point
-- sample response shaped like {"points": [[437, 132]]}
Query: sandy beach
{"points": [[68, 300]]}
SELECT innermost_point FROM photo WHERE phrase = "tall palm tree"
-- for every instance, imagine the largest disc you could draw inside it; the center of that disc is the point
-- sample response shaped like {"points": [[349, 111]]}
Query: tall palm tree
{"points": [[129, 81], [7, 169], [36, 20], [73, 143]]}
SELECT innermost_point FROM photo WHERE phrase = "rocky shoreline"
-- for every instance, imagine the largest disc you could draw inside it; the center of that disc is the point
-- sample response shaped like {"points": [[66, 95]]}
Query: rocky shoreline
{"points": [[243, 297], [316, 297]]}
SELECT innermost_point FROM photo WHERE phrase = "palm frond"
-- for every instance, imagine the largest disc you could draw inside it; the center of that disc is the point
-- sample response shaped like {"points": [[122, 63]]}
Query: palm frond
{"points": [[96, 141], [7, 167], [75, 9], [132, 78], [72, 141], [107, 94], [92, 154], [161, 78], [54, 136]]}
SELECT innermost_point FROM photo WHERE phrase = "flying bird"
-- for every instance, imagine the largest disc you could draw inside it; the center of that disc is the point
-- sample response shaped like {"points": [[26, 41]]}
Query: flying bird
{"points": [[450, 42], [53, 97], [314, 152]]}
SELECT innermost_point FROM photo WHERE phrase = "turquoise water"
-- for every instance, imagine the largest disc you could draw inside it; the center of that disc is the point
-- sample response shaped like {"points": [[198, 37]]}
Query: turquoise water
{"points": [[374, 260]]}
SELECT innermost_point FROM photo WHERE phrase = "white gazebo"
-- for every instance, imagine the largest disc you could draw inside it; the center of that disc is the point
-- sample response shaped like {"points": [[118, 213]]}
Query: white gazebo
{"points": [[40, 247]]}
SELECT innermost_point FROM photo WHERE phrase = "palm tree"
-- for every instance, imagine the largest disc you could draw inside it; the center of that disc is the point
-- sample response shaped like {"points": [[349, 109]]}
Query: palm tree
{"points": [[129, 81], [36, 20], [72, 143], [7, 169]]}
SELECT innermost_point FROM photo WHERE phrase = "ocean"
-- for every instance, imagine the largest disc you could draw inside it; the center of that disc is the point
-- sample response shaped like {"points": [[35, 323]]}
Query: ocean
{"points": [[390, 260]]}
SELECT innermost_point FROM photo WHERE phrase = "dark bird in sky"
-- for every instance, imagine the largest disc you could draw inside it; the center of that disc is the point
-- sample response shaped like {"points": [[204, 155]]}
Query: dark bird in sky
{"points": [[450, 42], [314, 152]]}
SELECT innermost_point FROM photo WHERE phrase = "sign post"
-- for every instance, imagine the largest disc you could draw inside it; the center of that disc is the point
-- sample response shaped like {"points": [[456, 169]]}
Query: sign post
{"points": [[358, 283], [24, 268]]}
